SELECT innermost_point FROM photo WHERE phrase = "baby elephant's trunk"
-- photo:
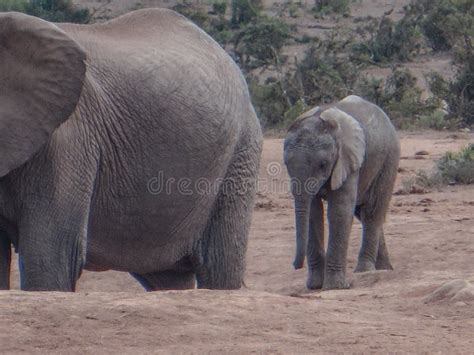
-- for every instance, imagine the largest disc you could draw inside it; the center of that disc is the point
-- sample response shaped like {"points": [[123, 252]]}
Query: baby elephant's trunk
{"points": [[302, 226]]}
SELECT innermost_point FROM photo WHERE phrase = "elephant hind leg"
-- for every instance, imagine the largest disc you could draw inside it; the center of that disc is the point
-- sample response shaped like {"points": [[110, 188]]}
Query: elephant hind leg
{"points": [[383, 261], [373, 253], [223, 245], [166, 280]]}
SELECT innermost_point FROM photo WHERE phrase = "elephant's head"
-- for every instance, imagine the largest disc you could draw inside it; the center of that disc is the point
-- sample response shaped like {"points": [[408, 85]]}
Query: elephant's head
{"points": [[41, 77], [322, 148]]}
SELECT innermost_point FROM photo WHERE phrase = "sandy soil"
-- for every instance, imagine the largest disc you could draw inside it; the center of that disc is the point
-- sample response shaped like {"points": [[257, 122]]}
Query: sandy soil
{"points": [[430, 237]]}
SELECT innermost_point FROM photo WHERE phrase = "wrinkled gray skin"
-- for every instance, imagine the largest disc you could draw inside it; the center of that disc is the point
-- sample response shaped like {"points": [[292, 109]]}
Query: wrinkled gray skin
{"points": [[94, 120], [348, 155]]}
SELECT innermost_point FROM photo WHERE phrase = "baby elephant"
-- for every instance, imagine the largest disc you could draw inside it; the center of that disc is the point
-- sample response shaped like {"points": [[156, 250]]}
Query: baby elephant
{"points": [[347, 154]]}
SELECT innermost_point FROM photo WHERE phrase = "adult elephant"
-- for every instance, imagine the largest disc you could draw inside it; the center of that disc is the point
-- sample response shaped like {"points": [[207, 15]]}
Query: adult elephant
{"points": [[348, 154], [108, 134]]}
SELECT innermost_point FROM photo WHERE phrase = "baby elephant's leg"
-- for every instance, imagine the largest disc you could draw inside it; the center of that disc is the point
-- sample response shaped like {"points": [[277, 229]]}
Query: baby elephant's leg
{"points": [[373, 252], [316, 253]]}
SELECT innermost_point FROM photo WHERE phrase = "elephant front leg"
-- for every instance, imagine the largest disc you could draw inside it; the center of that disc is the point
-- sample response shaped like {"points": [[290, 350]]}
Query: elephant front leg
{"points": [[5, 261], [316, 254], [341, 204], [52, 249]]}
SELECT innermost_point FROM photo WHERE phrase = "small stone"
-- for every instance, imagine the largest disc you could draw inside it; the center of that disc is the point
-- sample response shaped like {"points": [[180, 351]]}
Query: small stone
{"points": [[422, 152], [460, 304]]}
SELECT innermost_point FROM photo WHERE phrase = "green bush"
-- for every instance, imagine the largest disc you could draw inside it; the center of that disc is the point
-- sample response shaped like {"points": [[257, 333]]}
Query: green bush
{"points": [[458, 167], [13, 5], [305, 39], [199, 17], [458, 92], [400, 98], [219, 7], [50, 10], [384, 41], [435, 120], [244, 11], [325, 74], [454, 168], [263, 40], [444, 22], [294, 111], [269, 102], [58, 11], [218, 27], [272, 106], [371, 89], [293, 9], [325, 7], [449, 25]]}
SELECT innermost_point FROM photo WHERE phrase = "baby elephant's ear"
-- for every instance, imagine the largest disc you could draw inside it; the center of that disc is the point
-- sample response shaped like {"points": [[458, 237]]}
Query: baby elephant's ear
{"points": [[350, 137], [42, 71]]}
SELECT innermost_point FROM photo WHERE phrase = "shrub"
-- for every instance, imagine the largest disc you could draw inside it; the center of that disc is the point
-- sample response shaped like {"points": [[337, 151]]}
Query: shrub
{"points": [[449, 24], [435, 120], [218, 27], [400, 98], [453, 168], [445, 21], [293, 9], [219, 7], [294, 111], [383, 40], [13, 5], [371, 89], [199, 17], [263, 40], [324, 7], [269, 102], [57, 11], [458, 92], [458, 167], [244, 11], [305, 39], [325, 74], [50, 10]]}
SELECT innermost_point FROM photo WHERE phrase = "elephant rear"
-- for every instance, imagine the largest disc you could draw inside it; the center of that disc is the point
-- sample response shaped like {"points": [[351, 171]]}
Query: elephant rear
{"points": [[380, 166], [195, 122]]}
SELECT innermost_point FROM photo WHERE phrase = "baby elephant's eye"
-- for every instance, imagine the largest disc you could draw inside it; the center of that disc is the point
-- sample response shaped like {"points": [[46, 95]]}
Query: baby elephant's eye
{"points": [[323, 165]]}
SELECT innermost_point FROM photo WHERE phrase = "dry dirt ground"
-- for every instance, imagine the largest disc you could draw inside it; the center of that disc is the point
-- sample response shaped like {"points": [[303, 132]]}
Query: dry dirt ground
{"points": [[430, 237]]}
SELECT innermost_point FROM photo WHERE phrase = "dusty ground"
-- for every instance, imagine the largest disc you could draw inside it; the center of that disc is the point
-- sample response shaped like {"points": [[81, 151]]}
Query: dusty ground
{"points": [[430, 237]]}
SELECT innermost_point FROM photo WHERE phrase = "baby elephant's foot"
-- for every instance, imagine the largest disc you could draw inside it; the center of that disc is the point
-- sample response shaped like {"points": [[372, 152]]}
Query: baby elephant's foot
{"points": [[383, 264], [315, 279], [364, 266], [335, 280]]}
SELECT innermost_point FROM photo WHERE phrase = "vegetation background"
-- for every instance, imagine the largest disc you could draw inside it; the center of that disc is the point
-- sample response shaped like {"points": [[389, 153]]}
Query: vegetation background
{"points": [[298, 54]]}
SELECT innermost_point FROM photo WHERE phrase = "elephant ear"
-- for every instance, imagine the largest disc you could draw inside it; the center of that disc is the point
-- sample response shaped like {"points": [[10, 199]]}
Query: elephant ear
{"points": [[351, 139], [41, 76]]}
